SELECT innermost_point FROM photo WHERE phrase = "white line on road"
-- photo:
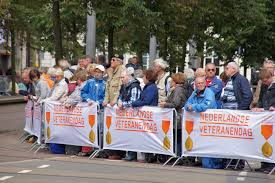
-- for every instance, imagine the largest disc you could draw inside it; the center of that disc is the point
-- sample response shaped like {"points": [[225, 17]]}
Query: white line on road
{"points": [[243, 174], [25, 171], [5, 178], [43, 166], [240, 178]]}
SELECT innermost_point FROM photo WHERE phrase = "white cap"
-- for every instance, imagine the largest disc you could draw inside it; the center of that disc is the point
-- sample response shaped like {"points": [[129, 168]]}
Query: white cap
{"points": [[100, 67]]}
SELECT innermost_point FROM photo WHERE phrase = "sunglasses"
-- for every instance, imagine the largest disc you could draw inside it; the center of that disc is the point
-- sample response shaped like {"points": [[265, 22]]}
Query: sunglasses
{"points": [[210, 70]]}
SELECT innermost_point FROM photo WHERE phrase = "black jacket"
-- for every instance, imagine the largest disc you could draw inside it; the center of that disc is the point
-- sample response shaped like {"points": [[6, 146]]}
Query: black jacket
{"points": [[267, 97], [242, 91]]}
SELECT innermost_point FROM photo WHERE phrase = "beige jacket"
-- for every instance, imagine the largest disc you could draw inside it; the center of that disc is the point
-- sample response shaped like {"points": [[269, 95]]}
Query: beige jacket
{"points": [[113, 84], [59, 91], [256, 95], [162, 89]]}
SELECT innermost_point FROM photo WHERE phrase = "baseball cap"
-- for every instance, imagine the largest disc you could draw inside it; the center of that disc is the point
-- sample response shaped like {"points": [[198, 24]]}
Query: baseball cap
{"points": [[118, 56], [100, 67]]}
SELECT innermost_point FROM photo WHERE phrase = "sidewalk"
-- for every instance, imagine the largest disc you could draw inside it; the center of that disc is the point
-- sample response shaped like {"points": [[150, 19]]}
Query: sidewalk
{"points": [[11, 99]]}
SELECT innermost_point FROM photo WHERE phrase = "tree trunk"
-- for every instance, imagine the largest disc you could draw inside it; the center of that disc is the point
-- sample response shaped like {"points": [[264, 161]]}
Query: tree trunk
{"points": [[28, 51], [57, 30], [13, 60], [110, 43]]}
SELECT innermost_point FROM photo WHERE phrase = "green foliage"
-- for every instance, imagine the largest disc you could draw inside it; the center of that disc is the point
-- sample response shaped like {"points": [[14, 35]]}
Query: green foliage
{"points": [[226, 25]]}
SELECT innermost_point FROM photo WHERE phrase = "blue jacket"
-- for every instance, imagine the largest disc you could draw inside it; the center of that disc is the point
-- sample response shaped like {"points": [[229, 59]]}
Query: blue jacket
{"points": [[216, 87], [93, 90], [149, 96], [242, 91], [202, 102]]}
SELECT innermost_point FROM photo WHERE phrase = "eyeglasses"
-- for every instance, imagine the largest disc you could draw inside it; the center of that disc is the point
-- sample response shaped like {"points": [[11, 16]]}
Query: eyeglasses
{"points": [[210, 70]]}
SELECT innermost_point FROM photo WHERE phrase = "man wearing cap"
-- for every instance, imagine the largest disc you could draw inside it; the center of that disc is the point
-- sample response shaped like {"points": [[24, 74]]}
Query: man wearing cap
{"points": [[94, 90], [113, 83], [60, 88]]}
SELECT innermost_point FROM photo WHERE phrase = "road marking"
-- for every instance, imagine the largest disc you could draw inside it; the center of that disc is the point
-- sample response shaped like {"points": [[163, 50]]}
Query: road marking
{"points": [[22, 161], [240, 178], [25, 171], [5, 178], [43, 166], [243, 173]]}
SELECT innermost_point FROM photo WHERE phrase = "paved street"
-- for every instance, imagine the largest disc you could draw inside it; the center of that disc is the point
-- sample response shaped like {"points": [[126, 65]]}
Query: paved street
{"points": [[19, 165]]}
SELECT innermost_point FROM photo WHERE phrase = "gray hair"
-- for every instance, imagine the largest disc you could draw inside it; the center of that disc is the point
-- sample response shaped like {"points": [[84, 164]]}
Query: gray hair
{"points": [[129, 72], [190, 74], [234, 65], [51, 71], [138, 73], [64, 64], [268, 62], [162, 63]]}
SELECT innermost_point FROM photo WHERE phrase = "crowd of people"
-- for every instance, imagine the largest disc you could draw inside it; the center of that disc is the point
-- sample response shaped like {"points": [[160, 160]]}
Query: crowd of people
{"points": [[129, 86]]}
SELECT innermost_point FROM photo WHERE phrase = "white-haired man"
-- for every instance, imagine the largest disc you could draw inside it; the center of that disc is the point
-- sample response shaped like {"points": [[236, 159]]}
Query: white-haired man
{"points": [[163, 81], [60, 88], [130, 92], [237, 92]]}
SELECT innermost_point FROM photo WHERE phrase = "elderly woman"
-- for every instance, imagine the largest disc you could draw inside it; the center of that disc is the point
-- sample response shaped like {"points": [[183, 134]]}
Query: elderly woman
{"points": [[65, 66], [200, 72], [73, 99], [60, 88], [176, 99], [149, 97]]}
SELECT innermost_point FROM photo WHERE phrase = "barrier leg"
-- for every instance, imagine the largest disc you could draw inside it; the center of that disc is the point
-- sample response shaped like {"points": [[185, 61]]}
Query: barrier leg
{"points": [[25, 138], [238, 162], [177, 161], [229, 163], [168, 160], [23, 135], [94, 154], [248, 165], [33, 145], [42, 146], [270, 173]]}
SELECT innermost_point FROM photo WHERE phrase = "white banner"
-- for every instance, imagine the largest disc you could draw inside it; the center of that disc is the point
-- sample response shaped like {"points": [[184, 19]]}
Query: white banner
{"points": [[37, 120], [71, 126], [146, 129], [229, 134], [28, 117]]}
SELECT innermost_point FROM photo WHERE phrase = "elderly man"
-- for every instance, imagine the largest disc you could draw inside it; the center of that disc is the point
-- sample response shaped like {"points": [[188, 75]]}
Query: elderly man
{"points": [[269, 65], [163, 80], [130, 92], [237, 92], [113, 83], [27, 82], [134, 63], [60, 88], [112, 89], [84, 61], [213, 82], [202, 98]]}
